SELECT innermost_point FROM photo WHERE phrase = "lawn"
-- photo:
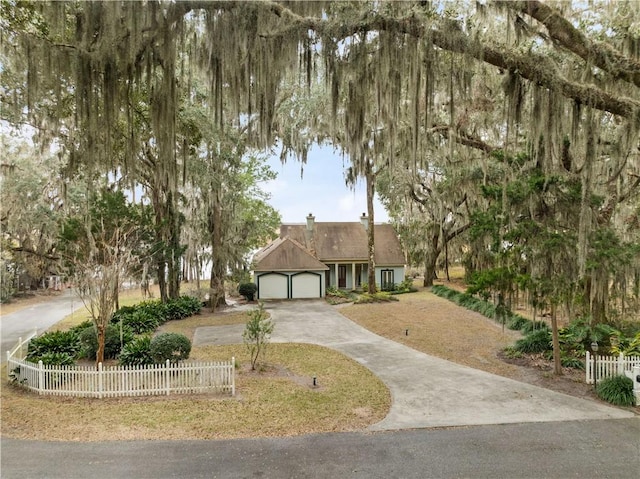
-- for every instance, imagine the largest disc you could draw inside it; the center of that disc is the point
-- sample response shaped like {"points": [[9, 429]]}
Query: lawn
{"points": [[281, 400]]}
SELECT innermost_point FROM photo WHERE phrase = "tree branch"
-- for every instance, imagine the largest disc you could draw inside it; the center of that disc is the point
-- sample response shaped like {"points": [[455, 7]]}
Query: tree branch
{"points": [[562, 31]]}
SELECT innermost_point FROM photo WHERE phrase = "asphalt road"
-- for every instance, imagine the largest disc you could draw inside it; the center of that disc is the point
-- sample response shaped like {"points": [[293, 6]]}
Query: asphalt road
{"points": [[41, 316], [581, 449]]}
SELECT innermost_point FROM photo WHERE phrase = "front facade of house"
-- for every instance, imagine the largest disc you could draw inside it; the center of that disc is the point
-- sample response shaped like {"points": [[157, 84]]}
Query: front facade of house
{"points": [[309, 258]]}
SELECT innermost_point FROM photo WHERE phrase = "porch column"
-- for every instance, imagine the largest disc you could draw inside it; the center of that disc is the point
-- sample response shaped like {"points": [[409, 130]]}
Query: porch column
{"points": [[353, 276]]}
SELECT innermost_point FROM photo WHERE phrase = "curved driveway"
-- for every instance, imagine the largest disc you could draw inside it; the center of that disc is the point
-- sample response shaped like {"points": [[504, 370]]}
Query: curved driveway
{"points": [[426, 391]]}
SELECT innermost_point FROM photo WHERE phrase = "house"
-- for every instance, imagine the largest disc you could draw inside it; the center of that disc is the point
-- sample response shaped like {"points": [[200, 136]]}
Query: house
{"points": [[308, 258]]}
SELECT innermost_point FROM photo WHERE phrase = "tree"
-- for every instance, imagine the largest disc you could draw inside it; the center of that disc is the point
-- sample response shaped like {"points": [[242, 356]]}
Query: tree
{"points": [[97, 244], [421, 85]]}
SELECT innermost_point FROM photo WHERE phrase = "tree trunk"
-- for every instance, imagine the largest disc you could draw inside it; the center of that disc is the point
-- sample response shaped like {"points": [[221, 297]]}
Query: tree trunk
{"points": [[371, 181], [216, 283], [431, 260], [100, 332], [175, 254], [557, 364]]}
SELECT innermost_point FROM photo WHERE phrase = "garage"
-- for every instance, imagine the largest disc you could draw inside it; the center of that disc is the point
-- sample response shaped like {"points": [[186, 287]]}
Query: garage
{"points": [[306, 285], [273, 286]]}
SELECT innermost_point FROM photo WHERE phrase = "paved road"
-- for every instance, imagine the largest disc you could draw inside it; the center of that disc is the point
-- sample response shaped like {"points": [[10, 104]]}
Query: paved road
{"points": [[426, 391], [39, 316], [580, 449]]}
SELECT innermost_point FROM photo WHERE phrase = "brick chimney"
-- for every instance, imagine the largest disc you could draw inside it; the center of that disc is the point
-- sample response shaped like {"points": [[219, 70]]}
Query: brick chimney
{"points": [[364, 219]]}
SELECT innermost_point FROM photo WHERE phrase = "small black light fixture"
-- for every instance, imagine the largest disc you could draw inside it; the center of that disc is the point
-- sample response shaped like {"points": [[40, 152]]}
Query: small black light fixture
{"points": [[406, 332], [315, 382], [594, 349]]}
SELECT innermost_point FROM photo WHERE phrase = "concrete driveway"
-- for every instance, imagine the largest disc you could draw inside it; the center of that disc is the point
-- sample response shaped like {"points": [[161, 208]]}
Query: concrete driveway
{"points": [[426, 391]]}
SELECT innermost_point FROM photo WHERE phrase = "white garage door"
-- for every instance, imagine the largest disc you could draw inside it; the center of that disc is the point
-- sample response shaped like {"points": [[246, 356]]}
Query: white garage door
{"points": [[272, 286], [305, 285]]}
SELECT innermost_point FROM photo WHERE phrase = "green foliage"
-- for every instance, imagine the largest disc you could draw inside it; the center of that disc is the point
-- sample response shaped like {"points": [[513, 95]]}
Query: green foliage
{"points": [[169, 346], [378, 297], [141, 321], [626, 346], [78, 328], [511, 320], [616, 390], [146, 316], [517, 322], [112, 345], [535, 342], [571, 362], [512, 353], [248, 290], [257, 333], [406, 286], [52, 343], [56, 359], [137, 352], [531, 326], [181, 308]]}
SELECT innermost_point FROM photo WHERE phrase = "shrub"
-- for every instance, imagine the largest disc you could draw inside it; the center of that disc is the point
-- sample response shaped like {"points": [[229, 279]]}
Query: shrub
{"points": [[137, 352], [616, 390], [531, 326], [78, 328], [571, 362], [55, 342], [122, 313], [172, 346], [512, 353], [141, 321], [112, 345], [517, 322], [248, 290], [57, 359], [257, 333], [535, 342], [379, 297], [181, 308]]}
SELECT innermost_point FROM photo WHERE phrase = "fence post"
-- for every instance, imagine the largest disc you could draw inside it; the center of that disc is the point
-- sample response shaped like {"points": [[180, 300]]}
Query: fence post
{"points": [[40, 377], [620, 365], [587, 368], [233, 375], [100, 384], [8, 368], [167, 381]]}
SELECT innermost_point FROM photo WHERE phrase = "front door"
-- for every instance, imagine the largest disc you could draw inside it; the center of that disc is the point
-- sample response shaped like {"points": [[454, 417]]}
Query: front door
{"points": [[342, 276]]}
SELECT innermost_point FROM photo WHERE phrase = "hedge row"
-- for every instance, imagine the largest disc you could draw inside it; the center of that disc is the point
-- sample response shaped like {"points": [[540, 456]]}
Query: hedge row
{"points": [[128, 337]]}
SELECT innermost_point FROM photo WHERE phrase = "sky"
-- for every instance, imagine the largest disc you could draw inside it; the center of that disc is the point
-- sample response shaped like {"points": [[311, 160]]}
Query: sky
{"points": [[321, 190]]}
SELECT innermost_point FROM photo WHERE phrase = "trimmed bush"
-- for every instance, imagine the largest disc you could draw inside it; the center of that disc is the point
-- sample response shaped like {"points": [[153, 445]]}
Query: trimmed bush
{"points": [[181, 308], [137, 352], [535, 342], [56, 359], [516, 322], [248, 290], [379, 297], [616, 390], [55, 342], [172, 346], [89, 341], [141, 321]]}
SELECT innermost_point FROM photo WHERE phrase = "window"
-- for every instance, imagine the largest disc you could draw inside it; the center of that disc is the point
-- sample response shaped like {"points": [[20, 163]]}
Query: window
{"points": [[387, 283]]}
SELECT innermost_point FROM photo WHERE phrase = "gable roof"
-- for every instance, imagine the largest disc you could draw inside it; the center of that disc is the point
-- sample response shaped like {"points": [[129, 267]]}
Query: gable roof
{"points": [[286, 254], [342, 241]]}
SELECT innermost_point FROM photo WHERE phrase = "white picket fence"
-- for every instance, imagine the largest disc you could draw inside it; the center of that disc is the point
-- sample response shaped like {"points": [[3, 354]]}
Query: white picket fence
{"points": [[607, 366], [120, 381]]}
